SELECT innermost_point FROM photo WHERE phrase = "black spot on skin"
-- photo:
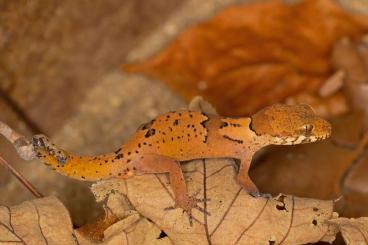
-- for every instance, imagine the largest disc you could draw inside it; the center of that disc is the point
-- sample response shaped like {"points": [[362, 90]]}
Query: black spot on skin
{"points": [[83, 177], [315, 209], [146, 125], [170, 128], [149, 144], [224, 124], [234, 140], [137, 152], [129, 153], [314, 222], [167, 116], [117, 151], [172, 138], [119, 174], [144, 143], [203, 124], [129, 160], [119, 156], [176, 122], [190, 115], [236, 125], [150, 132], [139, 145], [271, 242], [106, 161]]}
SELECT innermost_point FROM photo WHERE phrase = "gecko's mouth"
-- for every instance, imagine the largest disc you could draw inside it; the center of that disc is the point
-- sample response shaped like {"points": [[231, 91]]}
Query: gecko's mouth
{"points": [[301, 139]]}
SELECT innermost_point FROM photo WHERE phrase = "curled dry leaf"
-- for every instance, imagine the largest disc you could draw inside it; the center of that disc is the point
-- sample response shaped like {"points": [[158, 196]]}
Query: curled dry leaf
{"points": [[351, 57], [354, 231], [234, 216], [46, 221], [41, 221], [241, 61], [199, 104]]}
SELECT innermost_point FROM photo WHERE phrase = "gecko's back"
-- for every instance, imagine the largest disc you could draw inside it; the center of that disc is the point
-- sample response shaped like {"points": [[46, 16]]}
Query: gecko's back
{"points": [[186, 135]]}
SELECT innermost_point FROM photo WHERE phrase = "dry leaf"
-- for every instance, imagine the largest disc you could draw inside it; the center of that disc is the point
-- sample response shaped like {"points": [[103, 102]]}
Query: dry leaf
{"points": [[332, 84], [252, 55], [41, 221], [352, 57], [199, 104], [235, 217], [354, 231], [46, 221]]}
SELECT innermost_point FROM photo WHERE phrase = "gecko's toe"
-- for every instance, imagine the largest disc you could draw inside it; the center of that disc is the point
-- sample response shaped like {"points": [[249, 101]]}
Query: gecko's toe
{"points": [[257, 194]]}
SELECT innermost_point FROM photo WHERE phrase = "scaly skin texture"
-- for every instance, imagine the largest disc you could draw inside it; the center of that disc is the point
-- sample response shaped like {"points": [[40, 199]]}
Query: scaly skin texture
{"points": [[160, 145]]}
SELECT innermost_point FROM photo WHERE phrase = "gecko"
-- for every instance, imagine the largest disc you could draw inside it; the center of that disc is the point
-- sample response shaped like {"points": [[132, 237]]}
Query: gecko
{"points": [[161, 145]]}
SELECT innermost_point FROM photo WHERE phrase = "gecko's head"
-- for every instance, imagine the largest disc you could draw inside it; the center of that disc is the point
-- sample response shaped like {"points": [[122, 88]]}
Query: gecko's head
{"points": [[290, 125]]}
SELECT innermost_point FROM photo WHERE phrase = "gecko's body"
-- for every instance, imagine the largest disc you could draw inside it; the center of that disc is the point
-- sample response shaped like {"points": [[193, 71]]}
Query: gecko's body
{"points": [[160, 145]]}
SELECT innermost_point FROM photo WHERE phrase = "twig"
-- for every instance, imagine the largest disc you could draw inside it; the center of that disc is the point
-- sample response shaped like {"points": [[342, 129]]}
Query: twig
{"points": [[361, 146], [22, 144], [21, 178]]}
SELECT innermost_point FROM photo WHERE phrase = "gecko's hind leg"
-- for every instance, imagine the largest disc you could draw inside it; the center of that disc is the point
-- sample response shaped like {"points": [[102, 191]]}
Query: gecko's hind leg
{"points": [[152, 163]]}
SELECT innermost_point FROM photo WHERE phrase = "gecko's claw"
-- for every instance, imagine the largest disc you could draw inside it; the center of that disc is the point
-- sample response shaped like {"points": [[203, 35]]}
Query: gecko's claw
{"points": [[203, 210], [187, 203], [257, 194]]}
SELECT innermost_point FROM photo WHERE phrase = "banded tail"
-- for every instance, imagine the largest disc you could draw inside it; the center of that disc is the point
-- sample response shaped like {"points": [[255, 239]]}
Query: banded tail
{"points": [[78, 167]]}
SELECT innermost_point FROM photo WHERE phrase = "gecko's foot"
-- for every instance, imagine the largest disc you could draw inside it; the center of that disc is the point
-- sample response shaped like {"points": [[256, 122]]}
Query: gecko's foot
{"points": [[259, 194], [187, 203]]}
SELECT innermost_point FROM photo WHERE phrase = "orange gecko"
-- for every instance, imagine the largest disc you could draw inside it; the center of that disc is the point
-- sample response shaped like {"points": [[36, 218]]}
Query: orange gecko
{"points": [[160, 145]]}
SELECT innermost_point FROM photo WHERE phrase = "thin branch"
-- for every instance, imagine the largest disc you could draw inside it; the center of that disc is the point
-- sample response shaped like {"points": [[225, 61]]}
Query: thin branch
{"points": [[20, 142], [21, 178]]}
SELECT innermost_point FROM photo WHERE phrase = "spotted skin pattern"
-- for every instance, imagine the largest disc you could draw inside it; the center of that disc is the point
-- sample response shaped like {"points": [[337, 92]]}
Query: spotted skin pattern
{"points": [[161, 144]]}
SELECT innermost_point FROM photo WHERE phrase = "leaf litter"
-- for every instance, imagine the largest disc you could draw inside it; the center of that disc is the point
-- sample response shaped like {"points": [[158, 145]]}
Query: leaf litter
{"points": [[135, 208]]}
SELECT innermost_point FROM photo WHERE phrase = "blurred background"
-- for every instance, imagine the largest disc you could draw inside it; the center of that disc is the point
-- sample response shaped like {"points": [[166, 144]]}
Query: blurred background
{"points": [[74, 70]]}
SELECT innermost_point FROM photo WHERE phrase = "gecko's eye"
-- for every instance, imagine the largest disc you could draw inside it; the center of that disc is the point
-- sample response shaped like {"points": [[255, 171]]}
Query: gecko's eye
{"points": [[307, 129]]}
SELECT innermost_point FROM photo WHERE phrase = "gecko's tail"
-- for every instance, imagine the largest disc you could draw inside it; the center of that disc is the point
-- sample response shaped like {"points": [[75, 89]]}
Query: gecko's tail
{"points": [[78, 167]]}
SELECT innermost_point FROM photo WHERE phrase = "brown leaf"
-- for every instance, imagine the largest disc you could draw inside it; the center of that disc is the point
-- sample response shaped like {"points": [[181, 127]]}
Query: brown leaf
{"points": [[256, 54], [235, 217], [352, 57], [46, 221], [354, 231], [41, 221]]}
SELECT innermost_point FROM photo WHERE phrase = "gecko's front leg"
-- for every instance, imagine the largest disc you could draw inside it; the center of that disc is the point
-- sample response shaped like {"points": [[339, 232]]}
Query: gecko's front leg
{"points": [[244, 179], [152, 163]]}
